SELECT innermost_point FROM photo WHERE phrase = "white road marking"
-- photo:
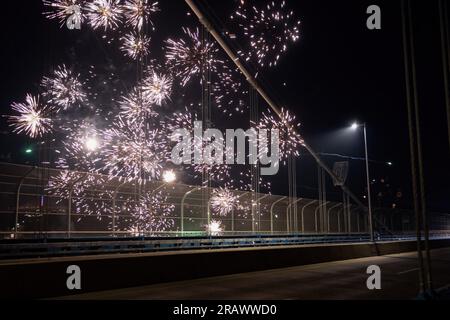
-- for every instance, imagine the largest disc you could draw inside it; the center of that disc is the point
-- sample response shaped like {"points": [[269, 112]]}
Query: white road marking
{"points": [[408, 271]]}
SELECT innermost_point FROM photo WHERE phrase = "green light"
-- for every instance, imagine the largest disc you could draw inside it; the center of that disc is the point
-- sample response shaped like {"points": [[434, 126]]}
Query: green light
{"points": [[28, 151]]}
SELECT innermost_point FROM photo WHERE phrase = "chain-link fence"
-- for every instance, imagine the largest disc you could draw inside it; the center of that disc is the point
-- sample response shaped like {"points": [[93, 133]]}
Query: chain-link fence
{"points": [[41, 202]]}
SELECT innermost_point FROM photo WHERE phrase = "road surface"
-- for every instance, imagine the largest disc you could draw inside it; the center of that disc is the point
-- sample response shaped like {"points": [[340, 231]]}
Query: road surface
{"points": [[342, 280]]}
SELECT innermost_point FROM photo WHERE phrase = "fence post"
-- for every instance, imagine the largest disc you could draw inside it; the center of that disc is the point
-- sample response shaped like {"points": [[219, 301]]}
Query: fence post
{"points": [[22, 180], [69, 213], [271, 213]]}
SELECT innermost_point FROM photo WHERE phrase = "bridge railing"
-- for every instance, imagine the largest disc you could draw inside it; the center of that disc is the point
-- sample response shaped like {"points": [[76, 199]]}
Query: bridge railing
{"points": [[44, 202]]}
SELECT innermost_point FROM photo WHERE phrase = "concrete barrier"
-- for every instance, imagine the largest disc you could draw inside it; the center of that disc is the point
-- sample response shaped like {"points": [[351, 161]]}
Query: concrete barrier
{"points": [[45, 278]]}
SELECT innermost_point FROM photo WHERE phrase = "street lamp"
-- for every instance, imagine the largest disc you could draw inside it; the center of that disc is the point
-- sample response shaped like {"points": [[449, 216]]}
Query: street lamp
{"points": [[355, 127]]}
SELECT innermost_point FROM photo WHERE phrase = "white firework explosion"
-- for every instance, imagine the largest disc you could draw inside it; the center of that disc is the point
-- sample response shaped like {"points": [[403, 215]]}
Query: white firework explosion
{"points": [[190, 56], [135, 107], [86, 191], [33, 118], [230, 93], [290, 140], [214, 228], [63, 88], [62, 10], [81, 149], [134, 152], [157, 88], [135, 46], [151, 213], [104, 14], [223, 201], [138, 12], [269, 30]]}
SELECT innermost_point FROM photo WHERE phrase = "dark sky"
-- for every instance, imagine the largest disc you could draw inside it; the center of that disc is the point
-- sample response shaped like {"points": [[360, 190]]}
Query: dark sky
{"points": [[337, 73]]}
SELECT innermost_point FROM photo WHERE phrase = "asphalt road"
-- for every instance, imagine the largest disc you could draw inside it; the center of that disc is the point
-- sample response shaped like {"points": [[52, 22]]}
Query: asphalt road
{"points": [[342, 280]]}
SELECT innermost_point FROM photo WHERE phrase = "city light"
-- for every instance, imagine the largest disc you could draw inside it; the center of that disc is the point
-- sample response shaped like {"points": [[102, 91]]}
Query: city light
{"points": [[354, 126]]}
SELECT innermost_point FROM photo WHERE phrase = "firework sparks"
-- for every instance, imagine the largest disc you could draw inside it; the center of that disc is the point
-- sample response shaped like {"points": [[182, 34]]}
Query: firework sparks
{"points": [[230, 93], [104, 14], [223, 201], [214, 228], [86, 192], [134, 152], [269, 30], [63, 88], [32, 119], [149, 214], [138, 12], [135, 107], [290, 140], [81, 149], [135, 46], [63, 10], [157, 88], [188, 57]]}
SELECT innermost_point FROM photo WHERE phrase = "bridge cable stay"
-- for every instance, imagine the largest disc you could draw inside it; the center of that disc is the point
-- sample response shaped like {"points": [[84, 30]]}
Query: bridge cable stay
{"points": [[206, 75], [255, 173], [425, 278], [445, 40]]}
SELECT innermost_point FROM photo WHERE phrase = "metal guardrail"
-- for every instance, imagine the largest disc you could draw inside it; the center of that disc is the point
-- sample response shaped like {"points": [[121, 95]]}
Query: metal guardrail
{"points": [[60, 248]]}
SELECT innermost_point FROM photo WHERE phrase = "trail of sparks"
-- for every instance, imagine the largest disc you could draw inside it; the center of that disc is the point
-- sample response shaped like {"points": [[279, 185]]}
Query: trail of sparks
{"points": [[62, 10], [269, 30], [157, 88], [214, 228], [189, 56], [82, 148], [151, 213], [63, 88], [105, 14], [135, 46], [223, 201], [133, 151], [290, 140], [135, 107], [138, 12], [33, 118]]}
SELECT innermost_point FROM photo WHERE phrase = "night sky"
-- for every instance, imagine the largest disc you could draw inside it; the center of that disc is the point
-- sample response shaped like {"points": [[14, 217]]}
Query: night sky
{"points": [[337, 73]]}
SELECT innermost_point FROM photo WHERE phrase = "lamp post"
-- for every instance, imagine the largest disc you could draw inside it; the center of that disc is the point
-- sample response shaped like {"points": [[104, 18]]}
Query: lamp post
{"points": [[354, 127]]}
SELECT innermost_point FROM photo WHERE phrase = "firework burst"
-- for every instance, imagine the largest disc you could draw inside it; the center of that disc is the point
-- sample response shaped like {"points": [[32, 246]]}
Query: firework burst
{"points": [[135, 46], [151, 213], [86, 192], [62, 10], [290, 141], [138, 12], [157, 88], [104, 14], [230, 93], [63, 88], [269, 30], [190, 56], [81, 149], [33, 118], [136, 107], [214, 228], [223, 201], [134, 152]]}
